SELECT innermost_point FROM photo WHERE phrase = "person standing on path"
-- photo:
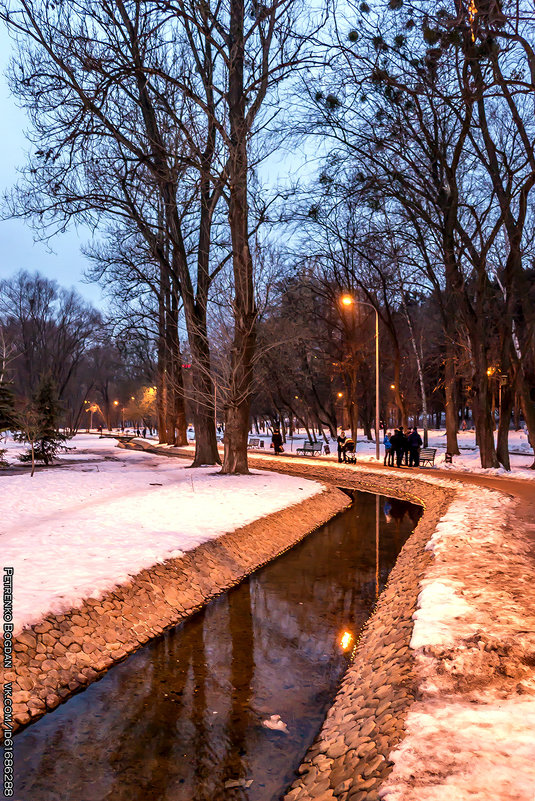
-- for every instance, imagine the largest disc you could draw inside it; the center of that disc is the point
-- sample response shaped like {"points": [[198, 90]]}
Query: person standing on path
{"points": [[398, 444], [389, 453], [341, 442], [415, 443], [276, 441]]}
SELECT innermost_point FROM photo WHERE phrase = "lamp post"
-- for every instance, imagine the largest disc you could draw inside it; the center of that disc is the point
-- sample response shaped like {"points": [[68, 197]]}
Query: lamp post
{"points": [[340, 396], [349, 300]]}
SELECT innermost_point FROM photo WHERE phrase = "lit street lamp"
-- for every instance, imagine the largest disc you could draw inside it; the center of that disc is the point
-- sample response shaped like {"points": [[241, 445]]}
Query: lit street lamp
{"points": [[349, 300]]}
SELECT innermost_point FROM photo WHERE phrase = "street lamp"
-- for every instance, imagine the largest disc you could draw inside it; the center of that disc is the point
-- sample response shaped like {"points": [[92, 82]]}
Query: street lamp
{"points": [[347, 301]]}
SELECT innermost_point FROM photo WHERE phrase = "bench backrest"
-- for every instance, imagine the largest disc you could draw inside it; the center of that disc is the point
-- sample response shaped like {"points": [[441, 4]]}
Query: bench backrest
{"points": [[427, 452], [254, 443], [312, 446]]}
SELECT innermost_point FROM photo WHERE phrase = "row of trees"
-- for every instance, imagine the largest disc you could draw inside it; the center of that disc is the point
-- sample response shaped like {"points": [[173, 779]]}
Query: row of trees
{"points": [[147, 115], [52, 341], [150, 120], [427, 190]]}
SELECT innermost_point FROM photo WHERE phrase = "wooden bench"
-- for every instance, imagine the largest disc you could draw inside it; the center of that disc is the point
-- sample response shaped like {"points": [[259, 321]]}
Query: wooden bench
{"points": [[310, 449], [427, 456], [255, 442]]}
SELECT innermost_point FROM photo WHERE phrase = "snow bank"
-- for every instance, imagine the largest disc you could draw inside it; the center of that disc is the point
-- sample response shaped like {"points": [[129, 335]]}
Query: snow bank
{"points": [[470, 736], [461, 752], [74, 532]]}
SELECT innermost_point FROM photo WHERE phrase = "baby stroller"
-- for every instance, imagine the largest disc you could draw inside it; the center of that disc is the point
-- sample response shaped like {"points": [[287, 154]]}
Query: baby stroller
{"points": [[350, 457]]}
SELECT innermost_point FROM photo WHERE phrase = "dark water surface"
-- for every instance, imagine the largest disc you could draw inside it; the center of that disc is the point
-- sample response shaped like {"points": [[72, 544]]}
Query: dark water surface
{"points": [[182, 719]]}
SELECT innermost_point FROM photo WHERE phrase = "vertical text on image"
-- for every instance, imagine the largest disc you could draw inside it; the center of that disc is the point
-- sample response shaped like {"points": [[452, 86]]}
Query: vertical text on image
{"points": [[7, 690]]}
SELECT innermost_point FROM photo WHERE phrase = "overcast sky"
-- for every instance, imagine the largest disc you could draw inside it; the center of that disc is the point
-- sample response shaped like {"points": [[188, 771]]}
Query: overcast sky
{"points": [[17, 247]]}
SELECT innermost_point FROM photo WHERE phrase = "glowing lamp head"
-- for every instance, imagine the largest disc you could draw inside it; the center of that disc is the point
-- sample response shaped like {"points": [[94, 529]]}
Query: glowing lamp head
{"points": [[347, 300], [346, 640], [340, 394], [115, 403]]}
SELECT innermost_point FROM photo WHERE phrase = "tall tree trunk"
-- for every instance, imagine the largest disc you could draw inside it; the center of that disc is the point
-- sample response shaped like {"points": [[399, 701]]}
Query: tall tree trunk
{"points": [[238, 403], [161, 379], [452, 445], [400, 402], [176, 413], [421, 380], [506, 407], [203, 404], [483, 412]]}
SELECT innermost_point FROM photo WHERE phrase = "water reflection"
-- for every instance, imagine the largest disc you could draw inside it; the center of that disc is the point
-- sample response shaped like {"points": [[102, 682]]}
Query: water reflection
{"points": [[185, 718]]}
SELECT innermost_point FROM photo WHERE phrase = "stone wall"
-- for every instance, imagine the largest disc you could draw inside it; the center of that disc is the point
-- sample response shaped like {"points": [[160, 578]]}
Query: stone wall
{"points": [[63, 653]]}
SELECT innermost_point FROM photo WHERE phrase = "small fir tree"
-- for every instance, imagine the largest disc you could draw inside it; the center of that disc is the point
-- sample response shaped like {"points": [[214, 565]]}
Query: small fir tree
{"points": [[7, 408], [43, 432], [7, 415]]}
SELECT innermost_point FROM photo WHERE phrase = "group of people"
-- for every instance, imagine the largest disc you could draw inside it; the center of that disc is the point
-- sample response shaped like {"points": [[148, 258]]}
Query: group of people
{"points": [[404, 446]]}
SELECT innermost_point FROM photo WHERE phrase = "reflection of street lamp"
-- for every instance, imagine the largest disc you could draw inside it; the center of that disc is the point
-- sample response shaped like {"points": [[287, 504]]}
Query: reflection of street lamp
{"points": [[376, 547], [347, 301]]}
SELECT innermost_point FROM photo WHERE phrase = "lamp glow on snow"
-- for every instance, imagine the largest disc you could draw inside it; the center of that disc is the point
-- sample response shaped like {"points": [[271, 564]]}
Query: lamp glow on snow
{"points": [[346, 640]]}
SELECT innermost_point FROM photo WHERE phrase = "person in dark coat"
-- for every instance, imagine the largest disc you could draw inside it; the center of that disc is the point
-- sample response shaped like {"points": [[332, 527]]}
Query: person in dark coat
{"points": [[415, 443], [341, 440], [398, 444], [276, 440]]}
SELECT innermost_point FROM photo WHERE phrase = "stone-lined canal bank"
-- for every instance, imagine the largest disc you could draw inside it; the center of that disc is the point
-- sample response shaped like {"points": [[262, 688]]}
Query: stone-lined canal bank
{"points": [[349, 759], [63, 653]]}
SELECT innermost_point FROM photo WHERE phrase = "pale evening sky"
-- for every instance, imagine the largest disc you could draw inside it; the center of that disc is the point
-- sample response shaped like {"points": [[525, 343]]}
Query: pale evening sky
{"points": [[17, 247]]}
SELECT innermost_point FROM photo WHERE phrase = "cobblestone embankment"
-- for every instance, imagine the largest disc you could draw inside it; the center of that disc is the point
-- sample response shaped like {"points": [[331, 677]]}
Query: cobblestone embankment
{"points": [[349, 759], [62, 653]]}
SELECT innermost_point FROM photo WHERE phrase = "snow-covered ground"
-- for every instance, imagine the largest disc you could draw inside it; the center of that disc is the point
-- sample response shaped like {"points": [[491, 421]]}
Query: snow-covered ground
{"points": [[470, 733], [74, 532]]}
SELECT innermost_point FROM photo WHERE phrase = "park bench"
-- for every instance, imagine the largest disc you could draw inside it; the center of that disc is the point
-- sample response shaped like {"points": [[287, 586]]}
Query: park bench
{"points": [[310, 449], [255, 442], [427, 456]]}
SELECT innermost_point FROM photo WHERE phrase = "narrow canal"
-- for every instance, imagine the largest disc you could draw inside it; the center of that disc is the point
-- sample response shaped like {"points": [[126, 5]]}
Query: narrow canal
{"points": [[189, 717]]}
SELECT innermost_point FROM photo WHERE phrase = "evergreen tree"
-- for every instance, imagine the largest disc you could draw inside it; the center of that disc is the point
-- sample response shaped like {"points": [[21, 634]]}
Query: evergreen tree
{"points": [[7, 415], [7, 407], [46, 411]]}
